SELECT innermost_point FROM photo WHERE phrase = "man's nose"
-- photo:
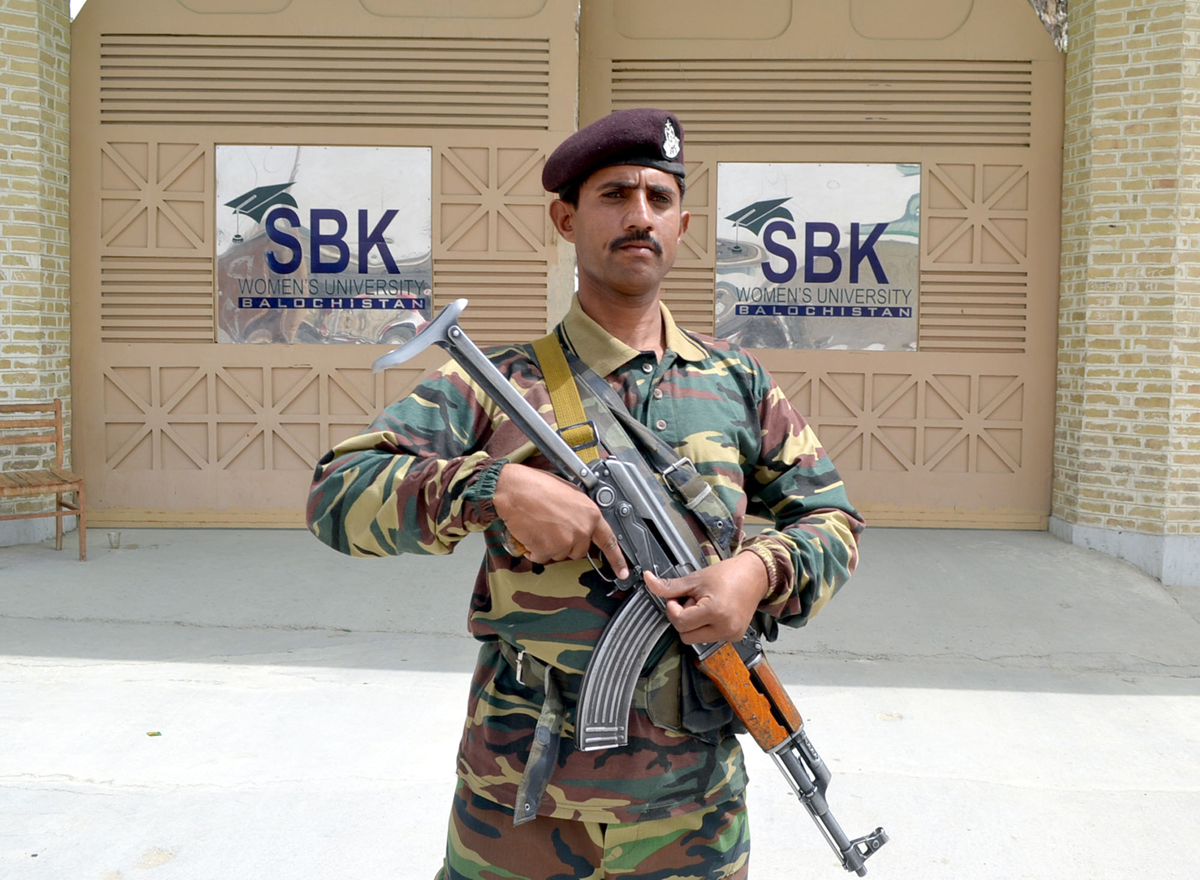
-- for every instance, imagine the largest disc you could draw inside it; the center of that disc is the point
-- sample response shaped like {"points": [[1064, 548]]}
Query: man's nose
{"points": [[637, 211]]}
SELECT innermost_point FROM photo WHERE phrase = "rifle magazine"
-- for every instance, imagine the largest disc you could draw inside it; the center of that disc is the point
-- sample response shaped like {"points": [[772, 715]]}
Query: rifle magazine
{"points": [[602, 714]]}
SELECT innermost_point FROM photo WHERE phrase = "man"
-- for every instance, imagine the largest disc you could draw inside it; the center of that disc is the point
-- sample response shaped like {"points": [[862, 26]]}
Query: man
{"points": [[446, 462]]}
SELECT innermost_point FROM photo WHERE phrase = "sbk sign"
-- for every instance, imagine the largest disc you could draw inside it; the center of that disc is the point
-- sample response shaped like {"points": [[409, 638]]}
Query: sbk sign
{"points": [[321, 236], [321, 244], [277, 210], [818, 255], [821, 241]]}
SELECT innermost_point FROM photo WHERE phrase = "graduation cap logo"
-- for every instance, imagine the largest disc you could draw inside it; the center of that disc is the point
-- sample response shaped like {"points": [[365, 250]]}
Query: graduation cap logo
{"points": [[754, 217], [258, 201]]}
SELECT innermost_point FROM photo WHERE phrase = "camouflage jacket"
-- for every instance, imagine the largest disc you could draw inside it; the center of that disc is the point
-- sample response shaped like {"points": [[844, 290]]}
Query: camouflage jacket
{"points": [[422, 477]]}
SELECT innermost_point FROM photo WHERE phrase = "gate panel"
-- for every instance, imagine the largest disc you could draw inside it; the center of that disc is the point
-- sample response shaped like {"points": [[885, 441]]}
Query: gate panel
{"points": [[959, 432], [172, 428]]}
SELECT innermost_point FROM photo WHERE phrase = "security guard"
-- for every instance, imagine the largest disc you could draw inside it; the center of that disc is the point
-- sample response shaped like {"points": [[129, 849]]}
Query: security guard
{"points": [[445, 462]]}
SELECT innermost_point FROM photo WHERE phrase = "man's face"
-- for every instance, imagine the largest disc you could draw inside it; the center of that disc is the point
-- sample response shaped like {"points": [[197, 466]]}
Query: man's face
{"points": [[626, 228]]}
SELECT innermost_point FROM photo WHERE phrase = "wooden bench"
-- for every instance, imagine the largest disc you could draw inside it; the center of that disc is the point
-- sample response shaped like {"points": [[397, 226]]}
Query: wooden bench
{"points": [[30, 424]]}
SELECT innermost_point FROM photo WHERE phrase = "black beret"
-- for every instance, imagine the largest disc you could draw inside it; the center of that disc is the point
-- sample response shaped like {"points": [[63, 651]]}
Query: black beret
{"points": [[642, 136]]}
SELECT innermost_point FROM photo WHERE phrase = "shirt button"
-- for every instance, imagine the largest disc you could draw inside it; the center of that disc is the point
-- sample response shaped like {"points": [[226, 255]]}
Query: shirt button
{"points": [[658, 394], [660, 425], [647, 367]]}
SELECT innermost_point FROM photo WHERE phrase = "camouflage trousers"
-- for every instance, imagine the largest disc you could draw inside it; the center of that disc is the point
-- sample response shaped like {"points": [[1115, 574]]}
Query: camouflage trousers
{"points": [[709, 844]]}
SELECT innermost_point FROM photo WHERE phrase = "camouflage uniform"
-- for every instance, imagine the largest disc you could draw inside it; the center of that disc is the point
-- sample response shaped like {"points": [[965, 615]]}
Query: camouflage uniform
{"points": [[423, 477], [708, 844]]}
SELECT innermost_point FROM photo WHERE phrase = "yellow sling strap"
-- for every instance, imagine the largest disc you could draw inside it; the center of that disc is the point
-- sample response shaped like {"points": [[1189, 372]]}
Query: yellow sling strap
{"points": [[573, 424]]}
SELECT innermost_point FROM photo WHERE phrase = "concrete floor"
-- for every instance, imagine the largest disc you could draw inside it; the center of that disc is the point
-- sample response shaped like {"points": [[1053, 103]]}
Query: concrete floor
{"points": [[1004, 704]]}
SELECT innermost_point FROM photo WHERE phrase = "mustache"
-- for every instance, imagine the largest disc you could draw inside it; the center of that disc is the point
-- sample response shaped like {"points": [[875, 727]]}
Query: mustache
{"points": [[634, 237]]}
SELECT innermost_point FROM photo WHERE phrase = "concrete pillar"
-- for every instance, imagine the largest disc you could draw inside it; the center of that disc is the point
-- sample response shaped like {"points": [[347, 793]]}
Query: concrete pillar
{"points": [[1127, 441], [34, 234]]}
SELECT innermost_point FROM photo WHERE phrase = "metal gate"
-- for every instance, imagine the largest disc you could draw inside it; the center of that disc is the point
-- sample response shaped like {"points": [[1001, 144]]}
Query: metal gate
{"points": [[173, 428]]}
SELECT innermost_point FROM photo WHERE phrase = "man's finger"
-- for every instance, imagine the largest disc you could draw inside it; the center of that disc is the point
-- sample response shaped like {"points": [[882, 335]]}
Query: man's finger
{"points": [[688, 619], [580, 549], [707, 635], [692, 630], [696, 623], [691, 614], [604, 538], [671, 589]]}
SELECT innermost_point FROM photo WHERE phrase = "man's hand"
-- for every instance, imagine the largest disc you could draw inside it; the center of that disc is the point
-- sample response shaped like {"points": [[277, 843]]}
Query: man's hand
{"points": [[552, 519], [714, 604]]}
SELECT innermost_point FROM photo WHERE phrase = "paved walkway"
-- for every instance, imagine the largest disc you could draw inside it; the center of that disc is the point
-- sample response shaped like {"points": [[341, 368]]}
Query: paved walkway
{"points": [[1004, 704]]}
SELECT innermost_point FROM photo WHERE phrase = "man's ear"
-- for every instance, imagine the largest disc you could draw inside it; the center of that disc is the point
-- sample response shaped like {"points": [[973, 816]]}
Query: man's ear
{"points": [[684, 218], [562, 215]]}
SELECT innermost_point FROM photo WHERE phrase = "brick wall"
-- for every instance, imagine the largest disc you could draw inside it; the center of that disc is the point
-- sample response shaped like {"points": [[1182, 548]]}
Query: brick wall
{"points": [[1127, 444], [34, 237]]}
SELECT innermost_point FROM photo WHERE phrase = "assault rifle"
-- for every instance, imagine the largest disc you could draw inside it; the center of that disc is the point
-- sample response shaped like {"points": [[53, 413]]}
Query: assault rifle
{"points": [[654, 538]]}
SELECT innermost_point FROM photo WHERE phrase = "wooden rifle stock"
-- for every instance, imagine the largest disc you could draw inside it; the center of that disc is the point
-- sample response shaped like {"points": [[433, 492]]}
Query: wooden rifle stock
{"points": [[756, 695]]}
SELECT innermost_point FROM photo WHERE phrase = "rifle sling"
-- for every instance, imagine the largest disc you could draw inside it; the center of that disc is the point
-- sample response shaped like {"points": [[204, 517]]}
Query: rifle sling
{"points": [[560, 365], [678, 472], [569, 414]]}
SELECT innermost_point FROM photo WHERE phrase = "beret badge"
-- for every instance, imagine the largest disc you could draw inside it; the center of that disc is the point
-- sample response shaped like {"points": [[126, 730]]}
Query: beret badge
{"points": [[671, 144]]}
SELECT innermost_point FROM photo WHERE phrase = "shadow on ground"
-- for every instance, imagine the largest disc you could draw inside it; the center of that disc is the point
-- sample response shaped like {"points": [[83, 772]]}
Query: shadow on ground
{"points": [[932, 608]]}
